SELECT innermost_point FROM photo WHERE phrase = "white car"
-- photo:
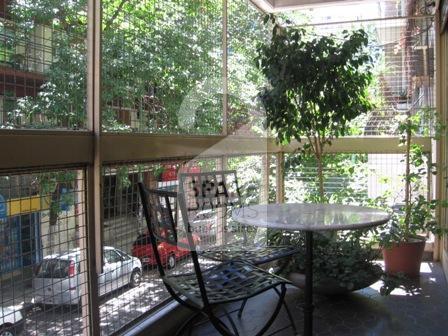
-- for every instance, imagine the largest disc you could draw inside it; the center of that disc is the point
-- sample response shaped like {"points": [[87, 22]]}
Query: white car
{"points": [[58, 279], [11, 321], [204, 225]]}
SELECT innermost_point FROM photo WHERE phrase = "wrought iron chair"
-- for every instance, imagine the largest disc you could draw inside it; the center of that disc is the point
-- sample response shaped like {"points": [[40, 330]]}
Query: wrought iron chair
{"points": [[204, 290], [214, 190]]}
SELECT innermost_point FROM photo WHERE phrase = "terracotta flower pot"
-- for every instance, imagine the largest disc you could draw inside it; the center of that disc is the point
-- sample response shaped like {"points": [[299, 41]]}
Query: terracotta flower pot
{"points": [[404, 257]]}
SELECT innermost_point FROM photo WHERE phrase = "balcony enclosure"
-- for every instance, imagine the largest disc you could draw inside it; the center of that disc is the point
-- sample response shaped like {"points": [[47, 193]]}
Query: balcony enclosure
{"points": [[96, 96]]}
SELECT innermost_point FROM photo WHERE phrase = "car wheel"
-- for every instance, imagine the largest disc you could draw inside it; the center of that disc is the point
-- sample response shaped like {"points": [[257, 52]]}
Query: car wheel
{"points": [[136, 278], [171, 261], [6, 331]]}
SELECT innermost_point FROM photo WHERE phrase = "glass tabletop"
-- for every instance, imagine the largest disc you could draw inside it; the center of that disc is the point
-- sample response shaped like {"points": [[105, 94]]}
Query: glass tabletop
{"points": [[310, 217]]}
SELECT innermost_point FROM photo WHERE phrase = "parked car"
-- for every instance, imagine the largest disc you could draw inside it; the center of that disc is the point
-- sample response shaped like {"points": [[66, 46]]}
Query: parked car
{"points": [[142, 249], [11, 321], [58, 279], [204, 225]]}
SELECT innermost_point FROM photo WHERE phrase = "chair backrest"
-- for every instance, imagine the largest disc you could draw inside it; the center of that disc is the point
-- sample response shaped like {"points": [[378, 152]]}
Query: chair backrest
{"points": [[160, 211], [210, 190], [216, 192]]}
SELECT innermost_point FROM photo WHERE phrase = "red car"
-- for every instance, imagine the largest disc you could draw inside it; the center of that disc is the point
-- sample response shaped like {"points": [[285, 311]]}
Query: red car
{"points": [[142, 249]]}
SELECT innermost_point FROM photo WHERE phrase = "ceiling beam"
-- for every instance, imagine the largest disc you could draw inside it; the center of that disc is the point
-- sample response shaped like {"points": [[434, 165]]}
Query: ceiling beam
{"points": [[270, 6], [264, 5], [34, 149]]}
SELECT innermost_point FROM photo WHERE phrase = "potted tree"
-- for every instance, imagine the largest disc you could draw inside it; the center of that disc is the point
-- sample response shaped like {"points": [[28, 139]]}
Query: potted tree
{"points": [[316, 86], [403, 242]]}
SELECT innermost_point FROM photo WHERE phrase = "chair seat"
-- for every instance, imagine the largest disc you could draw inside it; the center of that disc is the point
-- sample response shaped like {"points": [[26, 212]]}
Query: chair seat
{"points": [[227, 282], [253, 254]]}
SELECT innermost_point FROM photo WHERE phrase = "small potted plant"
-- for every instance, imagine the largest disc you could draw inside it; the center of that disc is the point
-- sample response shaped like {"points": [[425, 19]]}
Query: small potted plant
{"points": [[403, 241]]}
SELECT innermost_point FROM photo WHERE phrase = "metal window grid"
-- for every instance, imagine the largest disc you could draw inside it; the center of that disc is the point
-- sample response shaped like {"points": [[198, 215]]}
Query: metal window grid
{"points": [[43, 65], [43, 274], [113, 318]]}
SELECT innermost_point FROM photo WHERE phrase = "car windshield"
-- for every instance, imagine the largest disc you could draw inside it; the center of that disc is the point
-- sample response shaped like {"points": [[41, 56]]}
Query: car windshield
{"points": [[142, 239], [53, 268]]}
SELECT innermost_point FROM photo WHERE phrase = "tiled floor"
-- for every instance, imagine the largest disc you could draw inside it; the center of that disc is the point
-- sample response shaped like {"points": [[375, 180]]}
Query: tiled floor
{"points": [[365, 312]]}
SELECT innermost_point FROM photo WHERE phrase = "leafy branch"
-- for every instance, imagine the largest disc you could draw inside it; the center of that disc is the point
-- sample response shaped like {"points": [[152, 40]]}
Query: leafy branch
{"points": [[316, 86]]}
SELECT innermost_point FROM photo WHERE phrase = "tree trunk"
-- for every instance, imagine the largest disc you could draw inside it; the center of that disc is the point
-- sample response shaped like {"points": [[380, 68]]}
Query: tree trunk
{"points": [[407, 196], [53, 218], [320, 175]]}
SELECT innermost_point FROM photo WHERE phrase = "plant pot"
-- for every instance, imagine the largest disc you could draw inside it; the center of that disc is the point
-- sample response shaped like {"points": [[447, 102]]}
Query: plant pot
{"points": [[331, 286], [404, 258]]}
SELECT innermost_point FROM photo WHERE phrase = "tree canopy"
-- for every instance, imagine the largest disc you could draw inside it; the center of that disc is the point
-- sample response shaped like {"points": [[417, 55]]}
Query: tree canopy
{"points": [[316, 85], [154, 55]]}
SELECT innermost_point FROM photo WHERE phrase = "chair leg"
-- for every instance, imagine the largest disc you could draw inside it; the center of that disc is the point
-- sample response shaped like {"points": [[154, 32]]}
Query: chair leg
{"points": [[240, 311], [293, 325], [188, 322], [275, 313], [219, 325], [179, 300], [232, 323], [224, 330]]}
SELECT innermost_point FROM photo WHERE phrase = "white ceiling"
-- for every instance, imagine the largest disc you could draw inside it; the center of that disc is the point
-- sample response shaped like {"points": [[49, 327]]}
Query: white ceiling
{"points": [[282, 5]]}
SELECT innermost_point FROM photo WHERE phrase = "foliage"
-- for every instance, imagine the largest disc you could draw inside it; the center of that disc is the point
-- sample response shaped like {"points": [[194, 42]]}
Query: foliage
{"points": [[349, 261], [144, 68], [346, 258], [345, 177], [50, 184], [62, 100], [249, 177], [417, 215], [123, 181], [316, 86], [245, 30], [158, 171]]}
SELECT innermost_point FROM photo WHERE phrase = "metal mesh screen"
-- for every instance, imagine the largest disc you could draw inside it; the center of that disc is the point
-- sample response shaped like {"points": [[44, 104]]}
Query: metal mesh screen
{"points": [[349, 178], [125, 230], [43, 269], [162, 72], [361, 10], [245, 31], [255, 177], [402, 40], [43, 64], [257, 186], [162, 66]]}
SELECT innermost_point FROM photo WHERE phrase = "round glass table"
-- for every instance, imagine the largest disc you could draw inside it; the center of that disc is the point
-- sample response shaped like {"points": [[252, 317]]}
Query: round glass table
{"points": [[309, 218]]}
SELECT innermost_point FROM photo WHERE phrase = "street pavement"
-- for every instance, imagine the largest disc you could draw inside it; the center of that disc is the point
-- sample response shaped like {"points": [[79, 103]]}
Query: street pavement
{"points": [[116, 309]]}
